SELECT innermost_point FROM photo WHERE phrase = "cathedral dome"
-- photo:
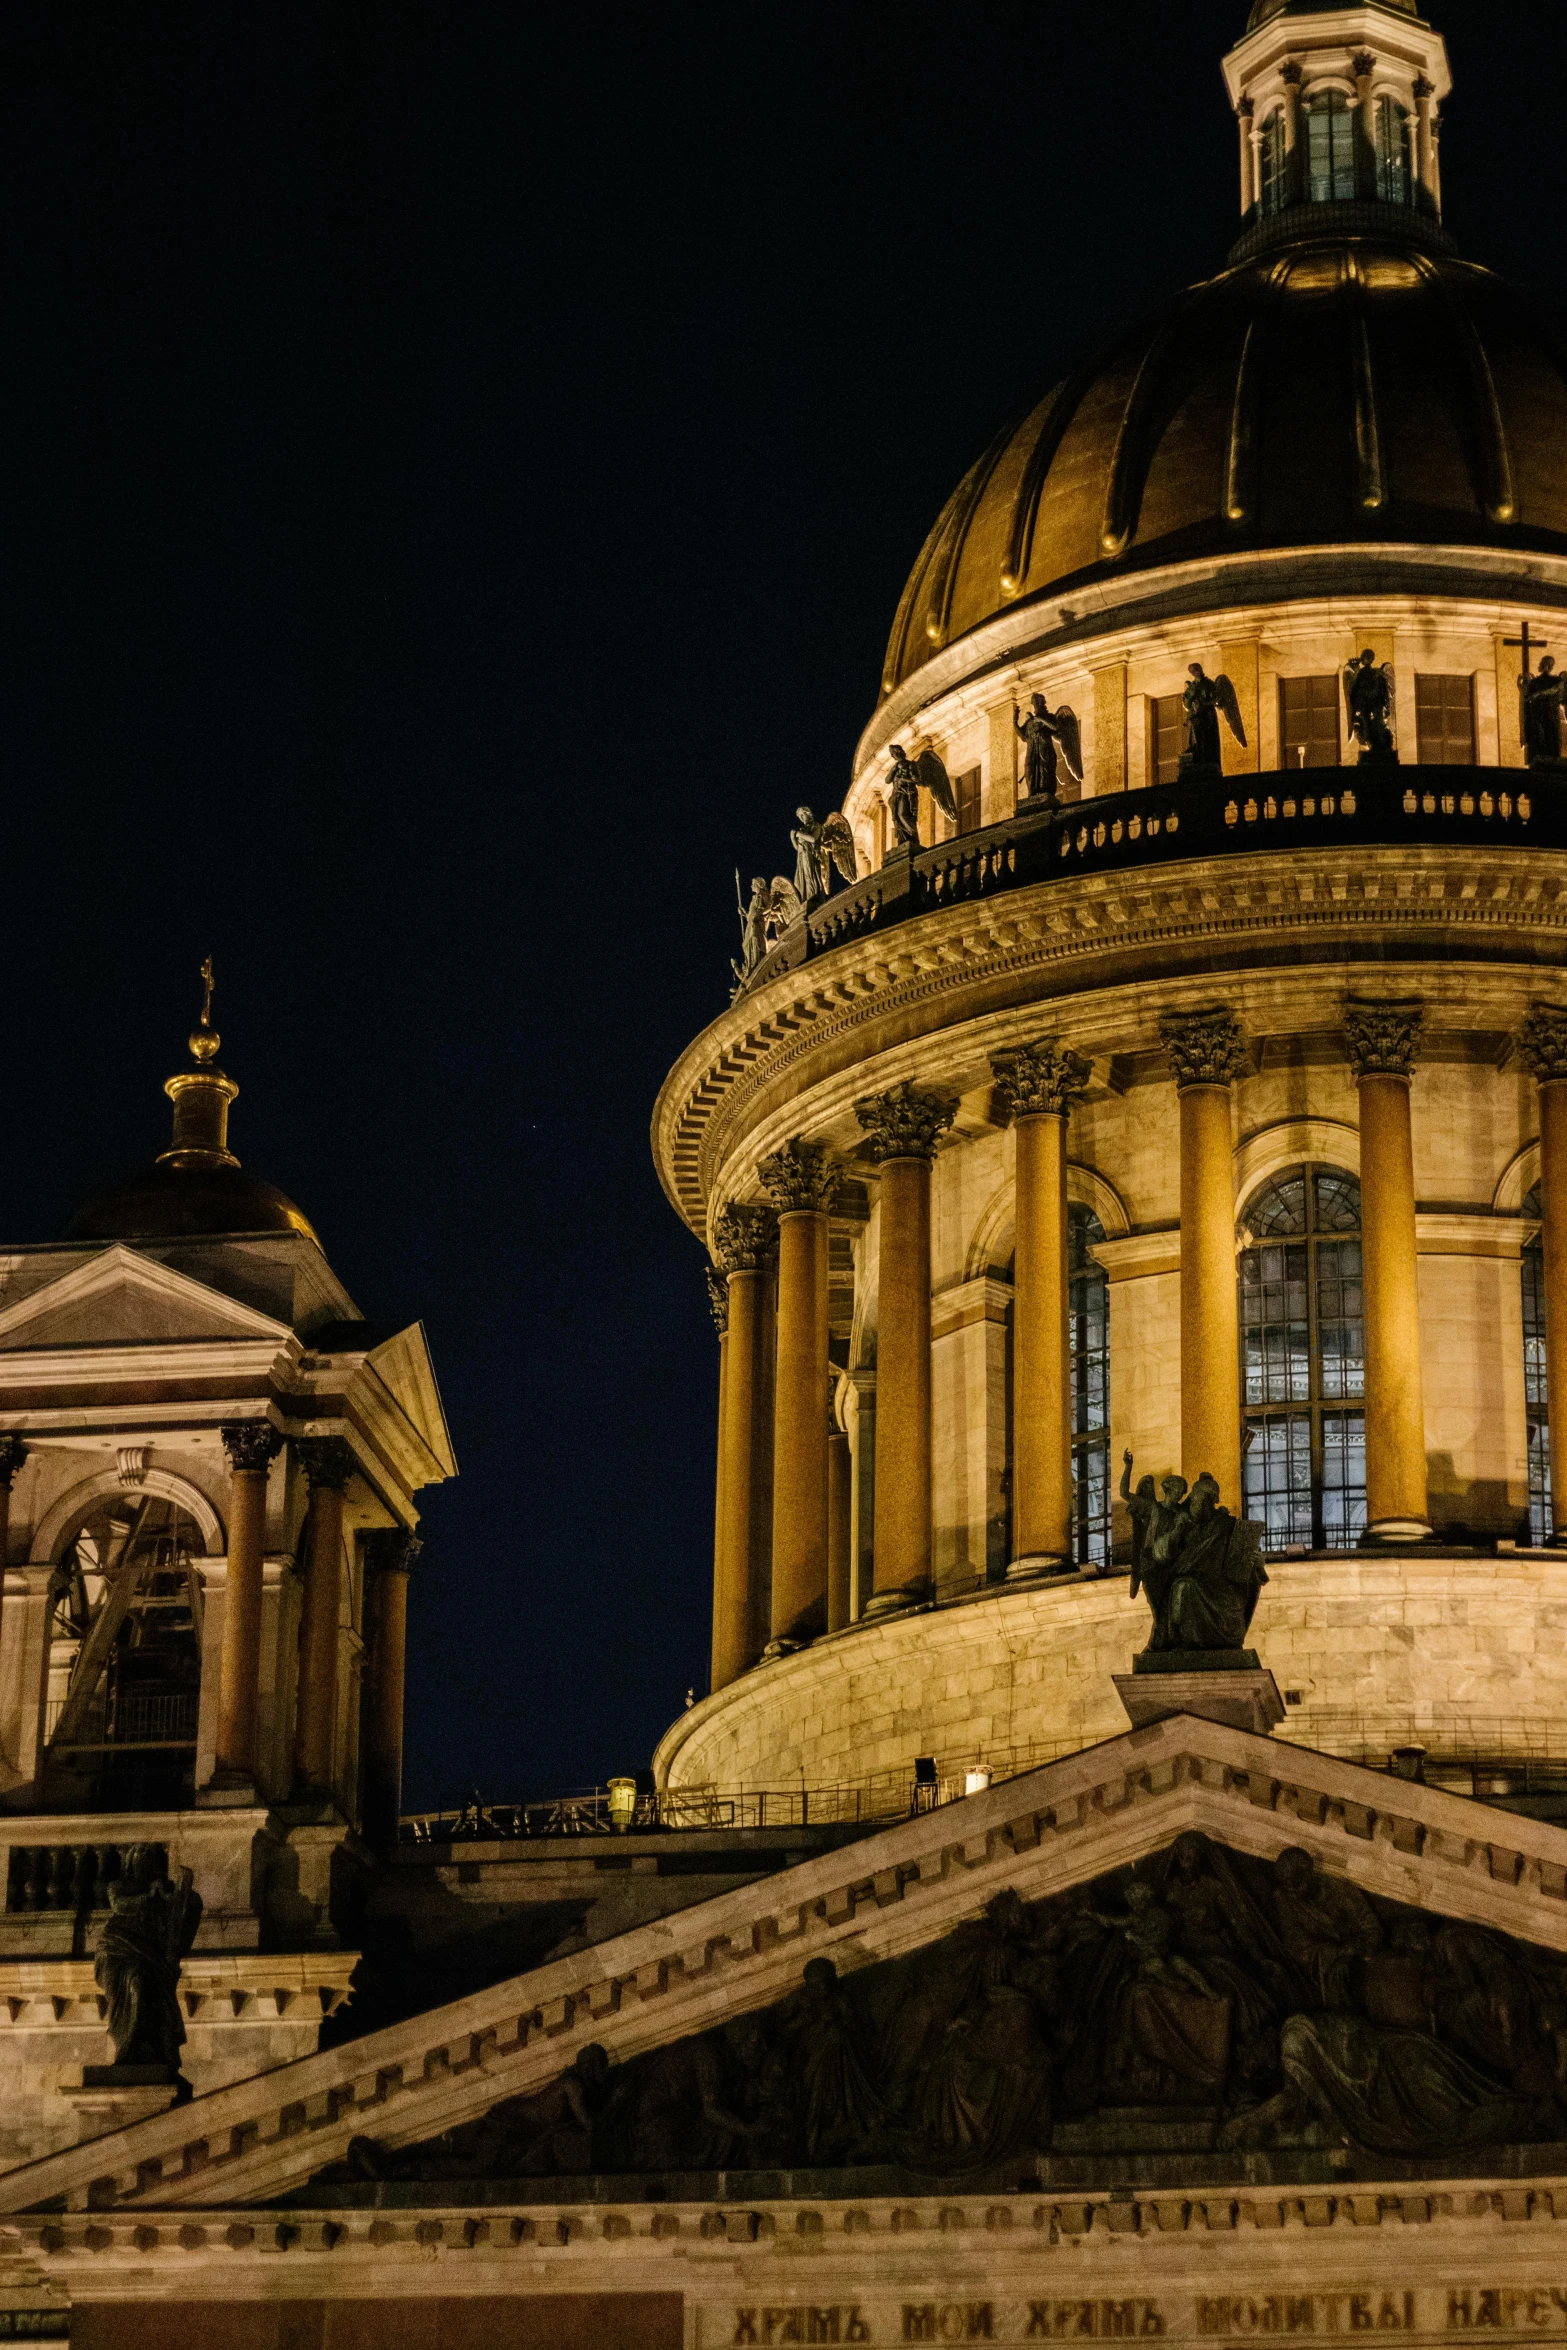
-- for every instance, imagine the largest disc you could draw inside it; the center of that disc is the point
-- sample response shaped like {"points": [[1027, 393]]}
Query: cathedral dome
{"points": [[167, 1202], [1340, 382]]}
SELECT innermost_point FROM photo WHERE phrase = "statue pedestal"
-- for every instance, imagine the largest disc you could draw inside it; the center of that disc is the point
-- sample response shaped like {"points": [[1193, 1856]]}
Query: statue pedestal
{"points": [[1229, 1686], [112, 2096]]}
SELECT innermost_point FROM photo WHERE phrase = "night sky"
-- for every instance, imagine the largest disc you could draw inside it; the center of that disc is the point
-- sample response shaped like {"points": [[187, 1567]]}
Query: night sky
{"points": [[460, 465]]}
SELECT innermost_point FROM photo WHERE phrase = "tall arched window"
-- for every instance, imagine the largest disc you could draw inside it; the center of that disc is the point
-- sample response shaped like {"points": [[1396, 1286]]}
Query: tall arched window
{"points": [[1537, 1399], [1304, 1358], [1273, 165], [1089, 1309], [1331, 148], [1393, 154]]}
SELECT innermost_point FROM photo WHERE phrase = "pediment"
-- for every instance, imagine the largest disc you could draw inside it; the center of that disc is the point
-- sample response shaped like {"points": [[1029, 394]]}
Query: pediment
{"points": [[403, 1366], [121, 1298], [1073, 1835]]}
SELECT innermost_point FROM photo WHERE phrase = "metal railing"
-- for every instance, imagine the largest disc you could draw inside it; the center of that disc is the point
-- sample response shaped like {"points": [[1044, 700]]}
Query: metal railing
{"points": [[139, 1717]]}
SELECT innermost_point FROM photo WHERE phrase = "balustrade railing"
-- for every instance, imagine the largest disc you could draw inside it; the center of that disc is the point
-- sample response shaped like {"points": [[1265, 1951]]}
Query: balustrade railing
{"points": [[74, 1877], [1326, 807]]}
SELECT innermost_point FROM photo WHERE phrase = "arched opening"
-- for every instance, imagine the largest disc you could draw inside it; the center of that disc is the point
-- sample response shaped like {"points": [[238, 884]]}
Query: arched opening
{"points": [[1303, 1361], [1330, 148], [1272, 165], [1395, 174], [125, 1656], [1088, 1305], [1537, 1398]]}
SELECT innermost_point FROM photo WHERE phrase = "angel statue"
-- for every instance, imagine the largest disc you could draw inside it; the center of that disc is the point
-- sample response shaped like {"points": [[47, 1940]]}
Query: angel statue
{"points": [[1203, 699], [774, 906], [901, 792], [817, 849], [1042, 731], [1368, 690]]}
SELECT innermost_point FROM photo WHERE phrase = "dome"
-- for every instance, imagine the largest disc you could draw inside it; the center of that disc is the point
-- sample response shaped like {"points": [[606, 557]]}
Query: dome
{"points": [[166, 1202], [1338, 382], [1265, 11]]}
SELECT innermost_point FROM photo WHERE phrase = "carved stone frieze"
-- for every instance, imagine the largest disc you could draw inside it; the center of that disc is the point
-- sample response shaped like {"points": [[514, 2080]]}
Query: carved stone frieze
{"points": [[1382, 1037], [1205, 1047], [800, 1179], [718, 1301], [904, 1122], [328, 1462], [1542, 1042], [745, 1238], [250, 1444], [1041, 1079]]}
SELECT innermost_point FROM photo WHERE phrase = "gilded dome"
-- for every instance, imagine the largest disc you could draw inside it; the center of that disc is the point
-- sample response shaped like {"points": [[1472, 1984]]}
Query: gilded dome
{"points": [[167, 1201], [1352, 381]]}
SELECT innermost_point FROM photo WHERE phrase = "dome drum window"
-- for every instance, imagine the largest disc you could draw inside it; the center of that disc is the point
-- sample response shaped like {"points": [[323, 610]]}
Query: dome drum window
{"points": [[1303, 1371]]}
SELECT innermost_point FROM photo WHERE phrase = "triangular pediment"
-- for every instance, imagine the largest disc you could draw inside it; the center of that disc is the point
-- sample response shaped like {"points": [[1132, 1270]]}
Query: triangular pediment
{"points": [[403, 1366], [1089, 1823], [121, 1298]]}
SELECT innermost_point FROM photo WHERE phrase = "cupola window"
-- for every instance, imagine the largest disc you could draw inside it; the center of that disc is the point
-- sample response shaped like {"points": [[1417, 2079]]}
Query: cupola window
{"points": [[1303, 1361], [1089, 1310], [1331, 148], [1537, 1401], [1273, 165], [1394, 167]]}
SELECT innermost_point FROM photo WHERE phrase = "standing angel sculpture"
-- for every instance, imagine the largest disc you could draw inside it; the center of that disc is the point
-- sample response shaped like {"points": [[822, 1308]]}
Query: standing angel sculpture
{"points": [[1042, 731], [1541, 703], [1203, 699], [775, 906], [906, 779], [1372, 705], [817, 848]]}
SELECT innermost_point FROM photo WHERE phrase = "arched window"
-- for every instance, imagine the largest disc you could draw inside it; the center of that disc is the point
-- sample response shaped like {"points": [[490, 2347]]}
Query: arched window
{"points": [[1393, 155], [1537, 1400], [1331, 148], [1089, 1309], [1303, 1361], [1273, 165]]}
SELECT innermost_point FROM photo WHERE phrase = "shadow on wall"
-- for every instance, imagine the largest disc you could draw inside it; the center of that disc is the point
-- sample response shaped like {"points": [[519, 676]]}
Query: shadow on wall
{"points": [[1481, 1509]]}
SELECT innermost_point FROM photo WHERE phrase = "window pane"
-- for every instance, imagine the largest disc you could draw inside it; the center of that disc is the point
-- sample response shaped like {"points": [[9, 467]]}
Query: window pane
{"points": [[965, 790], [1166, 736], [1393, 174], [1274, 1317], [1273, 157], [1338, 1201], [1088, 1311], [1444, 717], [1331, 149], [1341, 1320], [1308, 722], [1536, 1390], [1277, 1478], [1280, 1208], [1343, 1479]]}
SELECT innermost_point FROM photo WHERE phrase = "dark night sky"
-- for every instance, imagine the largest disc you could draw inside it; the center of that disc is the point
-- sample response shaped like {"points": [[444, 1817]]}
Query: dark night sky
{"points": [[461, 462]]}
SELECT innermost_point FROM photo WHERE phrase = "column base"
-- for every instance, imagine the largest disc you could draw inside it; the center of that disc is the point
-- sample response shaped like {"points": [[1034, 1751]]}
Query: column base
{"points": [[894, 1600], [227, 1790], [1398, 1530], [781, 1647], [1041, 1562]]}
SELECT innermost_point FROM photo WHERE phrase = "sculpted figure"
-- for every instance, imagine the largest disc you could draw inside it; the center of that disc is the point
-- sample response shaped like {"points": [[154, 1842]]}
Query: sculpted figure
{"points": [[817, 849], [1542, 713], [841, 2104], [673, 2111], [1326, 1924], [775, 907], [1042, 731], [1203, 699], [1159, 1527], [902, 795], [1368, 692], [151, 1926], [548, 2133], [1218, 1575], [1395, 2092]]}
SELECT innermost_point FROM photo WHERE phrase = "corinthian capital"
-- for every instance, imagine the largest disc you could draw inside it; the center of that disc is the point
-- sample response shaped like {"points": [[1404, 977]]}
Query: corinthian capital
{"points": [[800, 1179], [250, 1444], [326, 1460], [903, 1123], [1542, 1042], [718, 1301], [1381, 1037], [1204, 1047], [745, 1239], [1039, 1079]]}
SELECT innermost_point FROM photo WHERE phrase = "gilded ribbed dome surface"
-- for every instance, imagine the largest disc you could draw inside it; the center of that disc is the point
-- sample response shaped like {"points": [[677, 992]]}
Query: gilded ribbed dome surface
{"points": [[167, 1202], [1328, 388]]}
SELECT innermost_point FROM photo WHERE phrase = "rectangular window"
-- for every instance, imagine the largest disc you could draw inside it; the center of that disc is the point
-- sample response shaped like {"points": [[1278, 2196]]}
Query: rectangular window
{"points": [[965, 790], [1275, 1312], [1277, 1478], [1166, 736], [1343, 1479], [1308, 722], [1445, 719]]}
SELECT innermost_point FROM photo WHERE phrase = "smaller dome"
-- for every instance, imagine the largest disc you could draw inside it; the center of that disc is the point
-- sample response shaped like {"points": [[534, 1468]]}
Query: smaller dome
{"points": [[170, 1202], [1264, 11]]}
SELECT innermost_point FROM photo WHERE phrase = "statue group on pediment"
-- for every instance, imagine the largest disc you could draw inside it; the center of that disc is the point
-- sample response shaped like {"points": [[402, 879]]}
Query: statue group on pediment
{"points": [[1198, 1566], [1269, 2004]]}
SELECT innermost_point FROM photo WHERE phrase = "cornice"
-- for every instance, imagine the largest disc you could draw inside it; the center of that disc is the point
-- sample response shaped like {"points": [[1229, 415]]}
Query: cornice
{"points": [[1076, 944], [1043, 1832]]}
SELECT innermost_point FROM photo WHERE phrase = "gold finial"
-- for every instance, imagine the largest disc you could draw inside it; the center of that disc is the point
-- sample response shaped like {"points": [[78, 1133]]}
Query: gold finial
{"points": [[204, 1038]]}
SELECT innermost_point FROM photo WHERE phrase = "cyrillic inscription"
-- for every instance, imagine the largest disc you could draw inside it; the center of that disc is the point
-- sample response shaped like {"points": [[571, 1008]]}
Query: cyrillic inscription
{"points": [[836, 2322], [1054, 2321], [1307, 2313], [947, 2321]]}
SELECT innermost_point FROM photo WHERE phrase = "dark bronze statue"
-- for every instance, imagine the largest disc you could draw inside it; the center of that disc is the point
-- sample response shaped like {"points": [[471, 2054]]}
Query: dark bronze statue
{"points": [[1042, 732], [1203, 699], [1279, 2001], [902, 795], [151, 1926], [1369, 695], [1198, 1565], [1542, 713]]}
